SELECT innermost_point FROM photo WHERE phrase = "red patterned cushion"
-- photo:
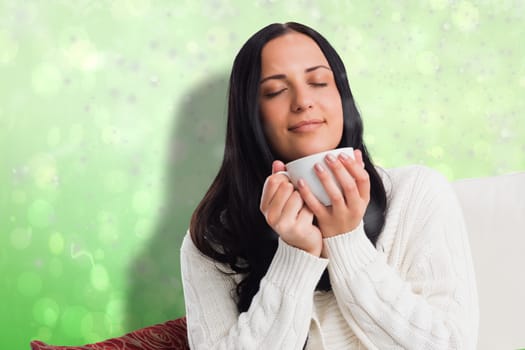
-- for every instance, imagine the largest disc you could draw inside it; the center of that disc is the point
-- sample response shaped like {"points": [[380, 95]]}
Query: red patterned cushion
{"points": [[170, 335]]}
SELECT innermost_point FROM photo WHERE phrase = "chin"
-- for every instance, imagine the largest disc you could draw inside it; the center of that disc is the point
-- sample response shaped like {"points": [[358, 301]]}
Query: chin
{"points": [[312, 150]]}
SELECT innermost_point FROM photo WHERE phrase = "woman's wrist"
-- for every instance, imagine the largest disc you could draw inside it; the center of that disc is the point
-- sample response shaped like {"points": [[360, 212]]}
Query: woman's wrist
{"points": [[335, 231]]}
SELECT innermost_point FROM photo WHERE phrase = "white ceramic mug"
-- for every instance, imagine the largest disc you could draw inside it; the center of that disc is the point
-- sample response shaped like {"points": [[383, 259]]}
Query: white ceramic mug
{"points": [[303, 168]]}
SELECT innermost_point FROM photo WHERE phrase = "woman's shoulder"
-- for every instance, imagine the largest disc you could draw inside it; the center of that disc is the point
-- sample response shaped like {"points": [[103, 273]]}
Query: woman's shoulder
{"points": [[413, 193], [410, 173], [187, 243], [190, 251], [412, 177], [189, 248]]}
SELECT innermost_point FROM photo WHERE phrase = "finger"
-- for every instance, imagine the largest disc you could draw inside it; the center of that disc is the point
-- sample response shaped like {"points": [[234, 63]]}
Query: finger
{"points": [[305, 217], [272, 183], [343, 176], [315, 206], [359, 157], [275, 207], [292, 207], [358, 173], [270, 187], [329, 183], [277, 166]]}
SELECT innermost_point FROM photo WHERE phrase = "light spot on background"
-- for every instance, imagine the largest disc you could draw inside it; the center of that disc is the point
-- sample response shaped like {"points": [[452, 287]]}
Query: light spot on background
{"points": [[21, 238], [142, 202], [40, 213], [46, 80], [56, 243], [8, 48], [29, 283], [466, 16], [46, 311], [99, 277], [71, 320]]}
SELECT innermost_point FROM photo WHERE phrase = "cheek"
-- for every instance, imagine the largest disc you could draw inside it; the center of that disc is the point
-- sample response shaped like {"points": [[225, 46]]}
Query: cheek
{"points": [[270, 116], [335, 105], [336, 111]]}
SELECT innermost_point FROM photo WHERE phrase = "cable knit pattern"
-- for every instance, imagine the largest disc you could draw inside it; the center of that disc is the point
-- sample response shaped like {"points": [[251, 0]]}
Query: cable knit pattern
{"points": [[280, 313], [414, 290]]}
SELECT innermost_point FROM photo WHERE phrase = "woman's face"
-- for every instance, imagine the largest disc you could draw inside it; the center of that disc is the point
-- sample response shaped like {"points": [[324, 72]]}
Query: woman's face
{"points": [[300, 105]]}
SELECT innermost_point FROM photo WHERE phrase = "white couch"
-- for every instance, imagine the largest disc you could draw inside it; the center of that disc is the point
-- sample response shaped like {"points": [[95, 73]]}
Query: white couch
{"points": [[494, 209]]}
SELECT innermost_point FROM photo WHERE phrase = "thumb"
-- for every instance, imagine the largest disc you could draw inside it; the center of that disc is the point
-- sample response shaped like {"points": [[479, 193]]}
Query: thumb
{"points": [[277, 165]]}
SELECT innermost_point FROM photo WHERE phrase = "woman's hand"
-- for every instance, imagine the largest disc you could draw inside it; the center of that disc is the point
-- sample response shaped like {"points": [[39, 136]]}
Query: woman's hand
{"points": [[349, 204], [286, 213]]}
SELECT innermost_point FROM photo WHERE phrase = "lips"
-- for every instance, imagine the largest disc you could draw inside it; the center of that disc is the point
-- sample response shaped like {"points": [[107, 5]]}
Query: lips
{"points": [[305, 124]]}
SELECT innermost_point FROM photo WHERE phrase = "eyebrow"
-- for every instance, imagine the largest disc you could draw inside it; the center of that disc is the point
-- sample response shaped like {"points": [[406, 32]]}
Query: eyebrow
{"points": [[283, 76]]}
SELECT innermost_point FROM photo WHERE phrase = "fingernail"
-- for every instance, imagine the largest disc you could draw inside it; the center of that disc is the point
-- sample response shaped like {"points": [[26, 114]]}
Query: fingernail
{"points": [[344, 156], [300, 183], [319, 167], [330, 158]]}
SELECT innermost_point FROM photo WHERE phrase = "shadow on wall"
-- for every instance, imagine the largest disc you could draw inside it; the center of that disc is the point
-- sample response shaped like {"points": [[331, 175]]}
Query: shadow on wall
{"points": [[194, 155]]}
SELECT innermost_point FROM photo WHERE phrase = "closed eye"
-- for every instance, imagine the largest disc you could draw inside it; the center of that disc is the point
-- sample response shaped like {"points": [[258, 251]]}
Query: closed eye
{"points": [[278, 92], [273, 94]]}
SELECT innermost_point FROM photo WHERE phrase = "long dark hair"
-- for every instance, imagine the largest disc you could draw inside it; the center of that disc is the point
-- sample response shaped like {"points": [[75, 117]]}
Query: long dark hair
{"points": [[227, 225]]}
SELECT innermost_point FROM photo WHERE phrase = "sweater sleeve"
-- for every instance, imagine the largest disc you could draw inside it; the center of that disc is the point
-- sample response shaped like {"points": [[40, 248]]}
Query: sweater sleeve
{"points": [[427, 301], [279, 315]]}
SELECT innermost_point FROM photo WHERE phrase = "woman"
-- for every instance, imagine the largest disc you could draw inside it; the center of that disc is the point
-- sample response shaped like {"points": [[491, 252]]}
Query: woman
{"points": [[266, 266]]}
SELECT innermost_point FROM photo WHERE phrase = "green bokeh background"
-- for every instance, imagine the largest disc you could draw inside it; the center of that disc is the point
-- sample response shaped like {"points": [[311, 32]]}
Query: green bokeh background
{"points": [[112, 117]]}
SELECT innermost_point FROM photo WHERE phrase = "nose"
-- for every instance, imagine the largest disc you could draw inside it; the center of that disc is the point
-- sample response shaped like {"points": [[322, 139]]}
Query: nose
{"points": [[302, 101]]}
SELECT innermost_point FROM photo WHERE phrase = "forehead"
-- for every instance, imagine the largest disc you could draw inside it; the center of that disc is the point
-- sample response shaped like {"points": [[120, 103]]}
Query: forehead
{"points": [[291, 51]]}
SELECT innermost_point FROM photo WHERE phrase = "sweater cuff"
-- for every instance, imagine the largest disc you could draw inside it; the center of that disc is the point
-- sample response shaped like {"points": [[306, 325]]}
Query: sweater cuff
{"points": [[349, 252], [295, 271]]}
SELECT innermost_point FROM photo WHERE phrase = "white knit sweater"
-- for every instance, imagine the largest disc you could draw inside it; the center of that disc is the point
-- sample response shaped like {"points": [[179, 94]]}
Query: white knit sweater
{"points": [[414, 290]]}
